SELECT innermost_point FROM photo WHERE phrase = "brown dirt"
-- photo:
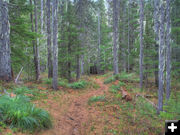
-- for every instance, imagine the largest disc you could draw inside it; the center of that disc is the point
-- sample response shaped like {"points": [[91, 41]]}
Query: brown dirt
{"points": [[73, 115]]}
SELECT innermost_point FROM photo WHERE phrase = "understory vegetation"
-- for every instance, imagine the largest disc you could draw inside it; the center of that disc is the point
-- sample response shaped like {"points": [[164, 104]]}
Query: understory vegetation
{"points": [[18, 112], [89, 67]]}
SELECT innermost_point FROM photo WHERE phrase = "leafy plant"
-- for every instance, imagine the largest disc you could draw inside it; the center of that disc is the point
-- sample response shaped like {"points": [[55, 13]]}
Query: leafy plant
{"points": [[47, 80], [172, 108], [62, 83], [18, 112], [96, 99], [78, 85], [109, 80], [126, 76]]}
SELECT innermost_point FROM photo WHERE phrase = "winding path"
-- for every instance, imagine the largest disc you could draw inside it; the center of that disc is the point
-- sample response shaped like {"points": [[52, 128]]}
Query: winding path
{"points": [[74, 117]]}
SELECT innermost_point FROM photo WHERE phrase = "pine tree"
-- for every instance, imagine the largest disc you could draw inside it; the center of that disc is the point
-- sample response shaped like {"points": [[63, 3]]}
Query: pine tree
{"points": [[5, 59]]}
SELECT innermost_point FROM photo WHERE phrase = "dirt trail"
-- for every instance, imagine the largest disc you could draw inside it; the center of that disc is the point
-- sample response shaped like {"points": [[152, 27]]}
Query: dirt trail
{"points": [[74, 117]]}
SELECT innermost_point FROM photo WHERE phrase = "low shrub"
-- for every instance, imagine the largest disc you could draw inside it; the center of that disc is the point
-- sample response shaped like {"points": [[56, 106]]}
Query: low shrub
{"points": [[18, 112], [96, 99], [47, 80], [24, 90], [172, 108], [128, 77], [113, 91], [115, 87], [62, 83], [109, 80], [121, 84], [78, 85]]}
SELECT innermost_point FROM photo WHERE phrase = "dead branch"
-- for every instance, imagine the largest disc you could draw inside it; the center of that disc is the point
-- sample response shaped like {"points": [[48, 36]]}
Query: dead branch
{"points": [[16, 80]]}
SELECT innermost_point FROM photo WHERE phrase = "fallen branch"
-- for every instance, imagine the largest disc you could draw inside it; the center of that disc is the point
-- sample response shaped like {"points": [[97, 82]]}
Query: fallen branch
{"points": [[154, 105], [16, 80]]}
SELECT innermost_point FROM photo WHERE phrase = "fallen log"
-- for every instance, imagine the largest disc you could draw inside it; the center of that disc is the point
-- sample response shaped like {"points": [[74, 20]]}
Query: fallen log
{"points": [[154, 105]]}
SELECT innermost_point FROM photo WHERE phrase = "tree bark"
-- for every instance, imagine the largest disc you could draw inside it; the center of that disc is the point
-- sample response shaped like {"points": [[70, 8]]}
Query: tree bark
{"points": [[115, 37], [168, 52], [5, 50], [128, 36], [78, 68], [141, 42], [124, 39], [37, 63], [55, 45], [161, 59], [42, 16], [49, 47]]}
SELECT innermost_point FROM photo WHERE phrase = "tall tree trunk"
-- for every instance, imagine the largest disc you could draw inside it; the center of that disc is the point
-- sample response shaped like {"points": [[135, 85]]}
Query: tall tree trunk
{"points": [[161, 59], [33, 42], [168, 52], [99, 43], [49, 47], [124, 39], [115, 37], [55, 45], [156, 29], [42, 16], [5, 58], [128, 36], [141, 42], [78, 68], [37, 43]]}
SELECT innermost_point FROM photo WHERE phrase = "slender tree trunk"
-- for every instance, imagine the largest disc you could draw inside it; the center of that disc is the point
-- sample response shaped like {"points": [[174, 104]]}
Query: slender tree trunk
{"points": [[156, 29], [55, 44], [5, 58], [42, 16], [141, 42], [99, 43], [49, 47], [128, 35], [78, 68], [37, 43], [115, 36], [124, 39], [168, 52], [161, 59], [33, 42]]}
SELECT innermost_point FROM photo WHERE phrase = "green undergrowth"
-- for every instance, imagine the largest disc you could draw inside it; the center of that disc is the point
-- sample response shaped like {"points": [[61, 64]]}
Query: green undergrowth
{"points": [[172, 108], [64, 83], [78, 85], [96, 99], [18, 112], [61, 82], [116, 88], [33, 94], [132, 77]]}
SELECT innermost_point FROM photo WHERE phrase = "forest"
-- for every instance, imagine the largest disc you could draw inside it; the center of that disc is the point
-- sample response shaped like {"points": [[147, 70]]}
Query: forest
{"points": [[89, 67]]}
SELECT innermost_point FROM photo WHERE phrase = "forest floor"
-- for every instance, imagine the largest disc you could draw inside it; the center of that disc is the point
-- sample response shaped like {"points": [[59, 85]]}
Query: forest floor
{"points": [[74, 114]]}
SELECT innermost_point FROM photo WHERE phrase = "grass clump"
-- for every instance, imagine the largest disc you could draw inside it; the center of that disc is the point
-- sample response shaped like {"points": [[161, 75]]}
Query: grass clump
{"points": [[19, 113], [78, 85], [96, 99]]}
